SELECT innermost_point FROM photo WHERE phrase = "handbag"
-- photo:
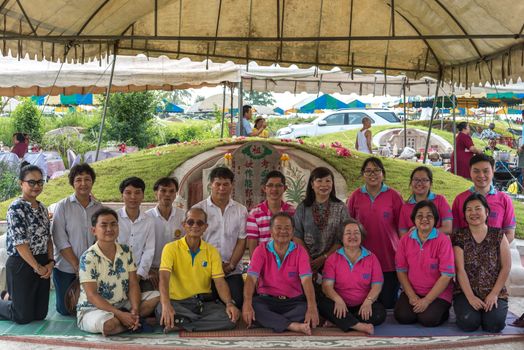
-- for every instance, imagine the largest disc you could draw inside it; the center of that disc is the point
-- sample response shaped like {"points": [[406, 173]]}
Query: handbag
{"points": [[71, 296]]}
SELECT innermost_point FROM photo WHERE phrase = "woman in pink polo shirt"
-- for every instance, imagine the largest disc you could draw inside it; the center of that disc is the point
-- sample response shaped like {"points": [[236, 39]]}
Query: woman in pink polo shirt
{"points": [[420, 181], [377, 207], [352, 280], [425, 268], [483, 262]]}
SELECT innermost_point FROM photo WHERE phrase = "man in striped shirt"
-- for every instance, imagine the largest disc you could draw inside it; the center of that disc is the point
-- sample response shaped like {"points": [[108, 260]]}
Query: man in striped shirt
{"points": [[257, 227]]}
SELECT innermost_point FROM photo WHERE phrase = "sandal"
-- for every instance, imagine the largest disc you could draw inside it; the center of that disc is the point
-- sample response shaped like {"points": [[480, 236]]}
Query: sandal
{"points": [[519, 322], [3, 295]]}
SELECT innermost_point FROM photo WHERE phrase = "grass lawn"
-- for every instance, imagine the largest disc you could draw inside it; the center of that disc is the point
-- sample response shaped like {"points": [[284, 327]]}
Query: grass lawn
{"points": [[161, 161]]}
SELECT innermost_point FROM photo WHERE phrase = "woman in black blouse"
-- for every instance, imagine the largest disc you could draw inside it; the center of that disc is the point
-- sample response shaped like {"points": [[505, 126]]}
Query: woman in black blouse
{"points": [[30, 251]]}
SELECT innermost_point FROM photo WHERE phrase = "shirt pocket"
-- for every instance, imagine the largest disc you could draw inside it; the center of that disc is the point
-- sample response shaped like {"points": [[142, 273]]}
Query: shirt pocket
{"points": [[291, 271], [432, 268]]}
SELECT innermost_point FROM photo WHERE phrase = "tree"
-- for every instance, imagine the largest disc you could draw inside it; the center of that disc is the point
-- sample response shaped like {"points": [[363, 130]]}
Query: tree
{"points": [[130, 117], [199, 98], [258, 98], [176, 96], [27, 120]]}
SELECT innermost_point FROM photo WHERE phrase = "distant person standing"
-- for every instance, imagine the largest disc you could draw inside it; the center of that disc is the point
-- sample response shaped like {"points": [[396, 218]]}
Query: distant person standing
{"points": [[20, 145], [464, 151], [363, 143], [246, 129]]}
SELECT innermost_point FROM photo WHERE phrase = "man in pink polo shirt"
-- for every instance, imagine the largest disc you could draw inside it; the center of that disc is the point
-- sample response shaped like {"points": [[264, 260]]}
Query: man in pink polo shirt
{"points": [[502, 214], [257, 227], [286, 297]]}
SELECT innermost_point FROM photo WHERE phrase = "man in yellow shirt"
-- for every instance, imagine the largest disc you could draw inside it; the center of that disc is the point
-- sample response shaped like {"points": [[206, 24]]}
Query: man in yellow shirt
{"points": [[186, 270]]}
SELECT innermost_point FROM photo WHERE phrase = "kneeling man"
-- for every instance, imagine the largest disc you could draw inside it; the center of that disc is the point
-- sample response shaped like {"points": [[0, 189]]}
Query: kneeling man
{"points": [[286, 297], [110, 301], [186, 270]]}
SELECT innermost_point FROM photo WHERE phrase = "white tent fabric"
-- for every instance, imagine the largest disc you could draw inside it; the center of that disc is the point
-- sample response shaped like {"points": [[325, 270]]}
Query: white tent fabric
{"points": [[468, 41], [28, 77]]}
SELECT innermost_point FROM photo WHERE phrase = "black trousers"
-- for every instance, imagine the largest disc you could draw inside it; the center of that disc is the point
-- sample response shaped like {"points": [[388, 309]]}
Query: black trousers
{"points": [[389, 294], [278, 314], [236, 287], [326, 308], [436, 313], [28, 292], [469, 319]]}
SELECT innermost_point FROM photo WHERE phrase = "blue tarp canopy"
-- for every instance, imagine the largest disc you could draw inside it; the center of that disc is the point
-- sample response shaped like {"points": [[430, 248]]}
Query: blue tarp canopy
{"points": [[322, 102]]}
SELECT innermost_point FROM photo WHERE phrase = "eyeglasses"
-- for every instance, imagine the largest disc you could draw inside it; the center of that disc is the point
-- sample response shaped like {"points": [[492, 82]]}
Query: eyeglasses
{"points": [[420, 181], [275, 185], [422, 217], [373, 172], [33, 183], [192, 222]]}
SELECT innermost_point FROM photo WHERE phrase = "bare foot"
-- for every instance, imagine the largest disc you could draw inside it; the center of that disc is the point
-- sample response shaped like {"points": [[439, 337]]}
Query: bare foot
{"points": [[300, 328], [328, 324], [364, 327]]}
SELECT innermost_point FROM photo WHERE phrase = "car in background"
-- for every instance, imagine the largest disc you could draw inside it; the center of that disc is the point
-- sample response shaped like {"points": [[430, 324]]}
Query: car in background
{"points": [[339, 120]]}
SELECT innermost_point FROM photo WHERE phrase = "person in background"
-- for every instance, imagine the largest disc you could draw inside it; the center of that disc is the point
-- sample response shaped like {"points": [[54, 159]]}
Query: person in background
{"points": [[490, 149], [257, 227], [286, 296], [167, 221], [30, 251], [363, 143], [110, 300], [137, 230], [465, 149], [502, 213], [425, 267], [489, 133], [421, 180], [483, 262], [21, 146], [188, 266], [377, 207], [71, 230], [319, 217], [261, 124], [226, 229], [245, 128], [351, 283]]}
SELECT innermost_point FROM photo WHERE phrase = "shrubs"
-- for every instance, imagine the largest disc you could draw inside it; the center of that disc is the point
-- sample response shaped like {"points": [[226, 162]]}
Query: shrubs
{"points": [[27, 120]]}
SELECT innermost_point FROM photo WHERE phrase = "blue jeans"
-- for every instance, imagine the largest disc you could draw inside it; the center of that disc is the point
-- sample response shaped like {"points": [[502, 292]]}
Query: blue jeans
{"points": [[62, 281]]}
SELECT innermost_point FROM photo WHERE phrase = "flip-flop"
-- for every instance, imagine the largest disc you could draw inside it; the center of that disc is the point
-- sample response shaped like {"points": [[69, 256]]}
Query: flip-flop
{"points": [[519, 322], [3, 294]]}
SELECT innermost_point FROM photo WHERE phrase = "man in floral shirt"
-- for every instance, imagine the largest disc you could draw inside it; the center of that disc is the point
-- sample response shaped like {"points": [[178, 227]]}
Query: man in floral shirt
{"points": [[110, 300]]}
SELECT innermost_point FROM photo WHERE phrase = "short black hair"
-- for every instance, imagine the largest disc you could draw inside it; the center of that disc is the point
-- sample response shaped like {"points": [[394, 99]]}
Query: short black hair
{"points": [[132, 181], [221, 172], [281, 214], [19, 137], [423, 204], [165, 181], [196, 209], [477, 158], [349, 221], [28, 168], [462, 125], [476, 197], [377, 162], [272, 174], [101, 212], [245, 109], [79, 169]]}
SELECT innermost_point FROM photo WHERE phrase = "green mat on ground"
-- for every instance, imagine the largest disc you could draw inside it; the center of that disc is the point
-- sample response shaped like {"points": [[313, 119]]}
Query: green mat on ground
{"points": [[54, 325]]}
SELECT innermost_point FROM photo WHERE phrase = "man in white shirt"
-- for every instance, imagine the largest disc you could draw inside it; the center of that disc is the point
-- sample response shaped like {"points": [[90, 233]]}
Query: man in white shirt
{"points": [[71, 230], [137, 230], [168, 221], [226, 228]]}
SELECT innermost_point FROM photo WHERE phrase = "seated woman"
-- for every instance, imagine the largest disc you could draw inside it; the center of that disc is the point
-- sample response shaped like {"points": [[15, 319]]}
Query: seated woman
{"points": [[261, 124], [30, 252], [425, 268], [352, 281], [483, 263]]}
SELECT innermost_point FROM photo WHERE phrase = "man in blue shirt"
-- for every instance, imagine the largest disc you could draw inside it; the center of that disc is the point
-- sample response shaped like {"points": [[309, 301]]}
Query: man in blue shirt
{"points": [[247, 130]]}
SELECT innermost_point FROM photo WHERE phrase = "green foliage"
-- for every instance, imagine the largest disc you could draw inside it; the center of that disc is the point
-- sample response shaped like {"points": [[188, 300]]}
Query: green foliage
{"points": [[191, 130], [27, 119], [8, 182], [6, 130], [129, 117], [258, 98]]}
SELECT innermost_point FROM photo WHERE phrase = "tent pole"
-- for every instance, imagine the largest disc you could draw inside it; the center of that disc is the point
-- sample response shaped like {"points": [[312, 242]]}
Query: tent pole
{"points": [[442, 115], [105, 103], [454, 132], [223, 112], [240, 109], [232, 88], [432, 116], [405, 115]]}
